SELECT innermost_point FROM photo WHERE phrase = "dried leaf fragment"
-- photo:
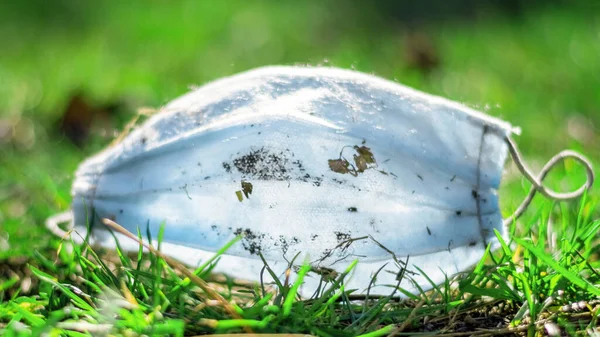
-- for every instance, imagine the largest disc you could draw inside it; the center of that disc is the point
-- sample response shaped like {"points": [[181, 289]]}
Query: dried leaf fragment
{"points": [[364, 157], [239, 195], [365, 153], [247, 188], [339, 165]]}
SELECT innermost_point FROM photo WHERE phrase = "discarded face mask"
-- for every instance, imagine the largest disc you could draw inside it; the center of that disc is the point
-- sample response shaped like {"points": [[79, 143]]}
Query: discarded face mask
{"points": [[318, 164]]}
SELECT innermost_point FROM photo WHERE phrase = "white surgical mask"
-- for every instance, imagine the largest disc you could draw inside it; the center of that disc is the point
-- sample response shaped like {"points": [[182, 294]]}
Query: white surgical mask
{"points": [[330, 164]]}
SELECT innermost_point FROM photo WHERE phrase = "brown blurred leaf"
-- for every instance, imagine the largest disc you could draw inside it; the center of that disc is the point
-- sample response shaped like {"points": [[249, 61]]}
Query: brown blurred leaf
{"points": [[80, 115], [420, 52]]}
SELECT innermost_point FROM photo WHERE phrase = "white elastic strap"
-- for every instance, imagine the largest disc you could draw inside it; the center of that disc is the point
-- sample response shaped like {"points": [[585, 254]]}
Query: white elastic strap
{"points": [[537, 182], [53, 222]]}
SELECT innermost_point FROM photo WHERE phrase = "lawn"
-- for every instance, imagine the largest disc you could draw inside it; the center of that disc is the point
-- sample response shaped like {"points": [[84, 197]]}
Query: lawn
{"points": [[539, 69]]}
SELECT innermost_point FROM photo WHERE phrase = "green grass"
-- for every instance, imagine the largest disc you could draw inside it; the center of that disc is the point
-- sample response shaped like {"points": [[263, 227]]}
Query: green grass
{"points": [[527, 285], [540, 71]]}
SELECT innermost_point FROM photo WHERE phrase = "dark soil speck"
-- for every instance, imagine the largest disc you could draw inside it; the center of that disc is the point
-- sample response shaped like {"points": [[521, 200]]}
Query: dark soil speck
{"points": [[341, 237], [267, 164], [264, 165], [252, 242]]}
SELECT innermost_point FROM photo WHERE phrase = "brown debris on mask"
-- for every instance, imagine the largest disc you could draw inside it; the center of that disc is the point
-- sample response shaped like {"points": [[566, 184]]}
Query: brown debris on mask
{"points": [[246, 190], [363, 160], [340, 166]]}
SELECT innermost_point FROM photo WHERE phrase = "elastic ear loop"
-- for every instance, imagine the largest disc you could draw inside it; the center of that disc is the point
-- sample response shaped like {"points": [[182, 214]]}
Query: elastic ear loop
{"points": [[537, 182], [53, 221]]}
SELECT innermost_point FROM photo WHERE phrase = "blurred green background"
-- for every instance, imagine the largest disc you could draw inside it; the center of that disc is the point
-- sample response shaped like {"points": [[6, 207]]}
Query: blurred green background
{"points": [[72, 73]]}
